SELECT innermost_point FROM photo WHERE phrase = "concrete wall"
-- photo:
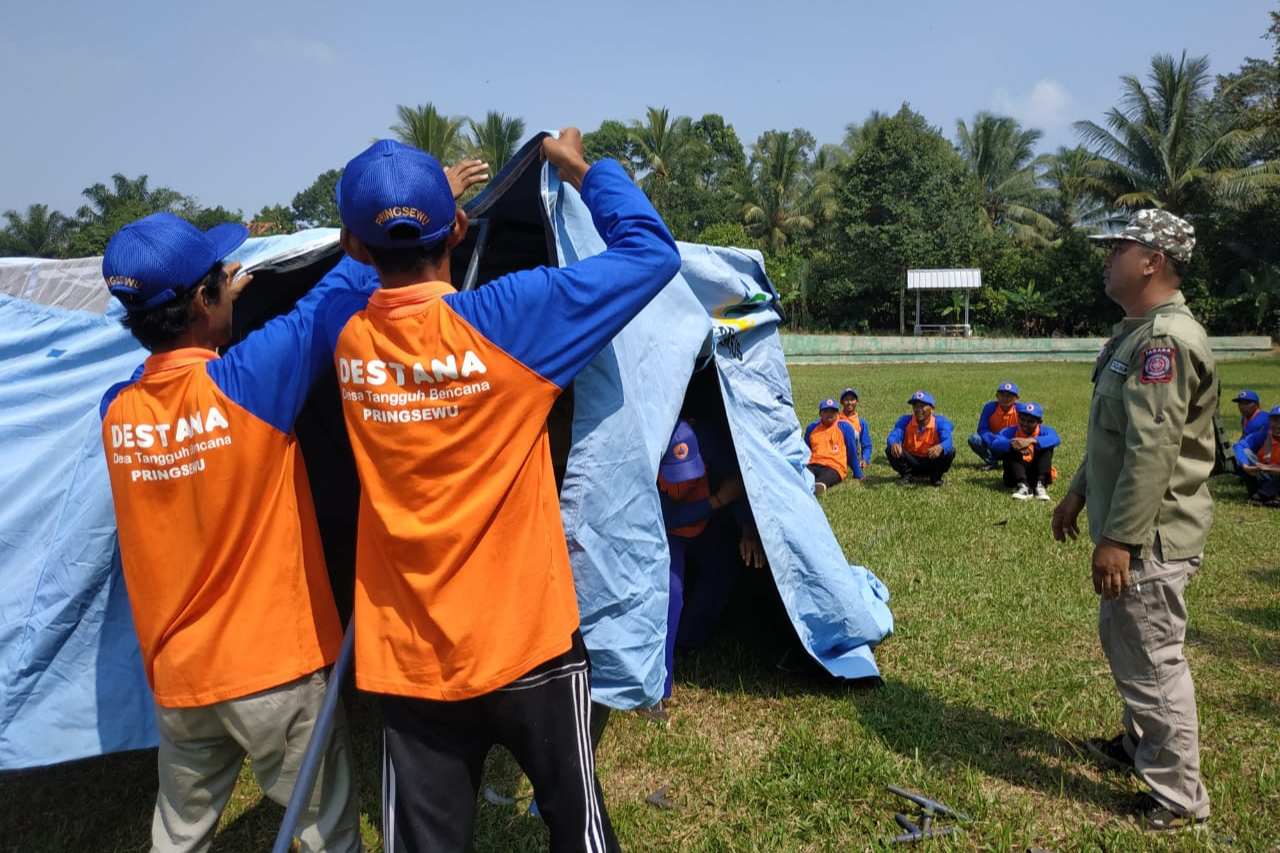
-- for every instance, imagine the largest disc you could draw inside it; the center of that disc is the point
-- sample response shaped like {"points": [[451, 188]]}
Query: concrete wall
{"points": [[869, 349]]}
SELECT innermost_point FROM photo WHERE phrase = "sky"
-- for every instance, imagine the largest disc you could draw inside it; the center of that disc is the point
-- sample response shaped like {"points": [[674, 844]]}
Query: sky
{"points": [[243, 104]]}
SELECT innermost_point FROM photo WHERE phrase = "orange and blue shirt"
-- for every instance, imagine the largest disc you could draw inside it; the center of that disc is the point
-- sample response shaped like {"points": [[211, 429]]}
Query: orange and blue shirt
{"points": [[463, 581], [1257, 423], [218, 537], [1045, 436], [835, 446], [1264, 447], [992, 419], [863, 432], [916, 439]]}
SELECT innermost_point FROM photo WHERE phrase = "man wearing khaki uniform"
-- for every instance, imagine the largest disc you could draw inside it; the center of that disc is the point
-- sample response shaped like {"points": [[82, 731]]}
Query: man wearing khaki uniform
{"points": [[1148, 455]]}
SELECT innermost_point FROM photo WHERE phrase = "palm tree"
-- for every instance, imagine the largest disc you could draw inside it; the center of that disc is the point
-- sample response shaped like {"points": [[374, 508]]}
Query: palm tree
{"points": [[1168, 147], [496, 139], [822, 180], [38, 234], [778, 172], [126, 194], [1001, 155], [1068, 178], [425, 128], [660, 143], [110, 208], [856, 135]]}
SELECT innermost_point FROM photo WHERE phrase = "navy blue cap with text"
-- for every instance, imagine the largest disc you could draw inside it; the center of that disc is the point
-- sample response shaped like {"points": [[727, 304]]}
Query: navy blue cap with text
{"points": [[391, 184], [155, 259]]}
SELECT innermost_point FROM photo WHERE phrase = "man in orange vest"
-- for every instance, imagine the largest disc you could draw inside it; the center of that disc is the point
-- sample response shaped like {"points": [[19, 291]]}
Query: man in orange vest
{"points": [[920, 444], [465, 609], [996, 415], [1258, 457], [218, 536], [833, 448], [1253, 418], [849, 412], [1027, 450]]}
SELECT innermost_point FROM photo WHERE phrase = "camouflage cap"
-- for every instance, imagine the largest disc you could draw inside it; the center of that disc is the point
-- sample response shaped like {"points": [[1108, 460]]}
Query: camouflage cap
{"points": [[1158, 229]]}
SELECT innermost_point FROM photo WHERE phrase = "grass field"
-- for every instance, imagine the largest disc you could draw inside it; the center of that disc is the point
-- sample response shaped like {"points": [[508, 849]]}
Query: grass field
{"points": [[992, 679]]}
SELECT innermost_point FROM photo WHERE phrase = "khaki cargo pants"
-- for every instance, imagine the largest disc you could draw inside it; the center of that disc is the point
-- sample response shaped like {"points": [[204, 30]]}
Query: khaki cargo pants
{"points": [[202, 749], [1142, 633]]}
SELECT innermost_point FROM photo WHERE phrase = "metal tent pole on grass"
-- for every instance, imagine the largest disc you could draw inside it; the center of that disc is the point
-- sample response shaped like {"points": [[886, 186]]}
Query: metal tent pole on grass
{"points": [[315, 747]]}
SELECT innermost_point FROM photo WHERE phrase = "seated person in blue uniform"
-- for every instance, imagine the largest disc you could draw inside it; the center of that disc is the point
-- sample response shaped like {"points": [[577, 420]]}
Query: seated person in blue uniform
{"points": [[920, 444], [1027, 450], [833, 448], [996, 415], [1253, 418], [1258, 459], [849, 414], [709, 525]]}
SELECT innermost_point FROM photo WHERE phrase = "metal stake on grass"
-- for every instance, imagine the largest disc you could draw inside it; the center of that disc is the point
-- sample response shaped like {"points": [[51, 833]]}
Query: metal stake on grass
{"points": [[315, 747]]}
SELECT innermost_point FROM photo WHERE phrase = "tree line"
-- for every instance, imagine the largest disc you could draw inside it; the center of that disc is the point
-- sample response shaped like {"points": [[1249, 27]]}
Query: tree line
{"points": [[840, 224]]}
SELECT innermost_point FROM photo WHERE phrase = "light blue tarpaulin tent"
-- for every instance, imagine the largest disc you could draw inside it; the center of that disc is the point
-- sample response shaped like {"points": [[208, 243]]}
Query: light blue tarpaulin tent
{"points": [[72, 680]]}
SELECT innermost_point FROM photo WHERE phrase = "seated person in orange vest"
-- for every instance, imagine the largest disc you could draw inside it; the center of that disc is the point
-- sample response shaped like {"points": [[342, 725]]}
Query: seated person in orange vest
{"points": [[1253, 418], [920, 444], [833, 448], [1027, 450], [1258, 458], [849, 412], [717, 542], [996, 415]]}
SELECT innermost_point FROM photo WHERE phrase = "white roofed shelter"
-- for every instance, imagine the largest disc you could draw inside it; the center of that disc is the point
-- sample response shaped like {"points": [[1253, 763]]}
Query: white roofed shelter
{"points": [[960, 279]]}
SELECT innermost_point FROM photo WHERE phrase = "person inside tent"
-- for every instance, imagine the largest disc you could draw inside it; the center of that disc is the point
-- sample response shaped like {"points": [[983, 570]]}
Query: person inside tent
{"points": [[710, 531]]}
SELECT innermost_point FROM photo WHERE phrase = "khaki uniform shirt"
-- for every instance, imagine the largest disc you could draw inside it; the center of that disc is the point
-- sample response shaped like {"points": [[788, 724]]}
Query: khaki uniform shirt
{"points": [[1150, 446]]}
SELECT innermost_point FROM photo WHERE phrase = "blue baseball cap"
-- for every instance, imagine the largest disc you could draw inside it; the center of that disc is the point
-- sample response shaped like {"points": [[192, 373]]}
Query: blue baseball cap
{"points": [[1275, 411], [846, 392], [1008, 388], [390, 184], [682, 461], [1246, 396], [1033, 409], [922, 397], [828, 403], [157, 258]]}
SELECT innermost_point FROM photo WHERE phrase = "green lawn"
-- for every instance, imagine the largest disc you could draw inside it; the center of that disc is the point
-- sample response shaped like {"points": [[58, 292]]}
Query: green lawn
{"points": [[991, 680]]}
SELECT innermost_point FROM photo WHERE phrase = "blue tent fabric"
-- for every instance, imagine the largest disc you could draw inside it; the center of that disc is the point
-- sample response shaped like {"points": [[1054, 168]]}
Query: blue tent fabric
{"points": [[626, 402], [70, 670]]}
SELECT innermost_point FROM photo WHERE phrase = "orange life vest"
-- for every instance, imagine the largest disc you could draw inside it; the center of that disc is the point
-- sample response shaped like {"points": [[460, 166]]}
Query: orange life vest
{"points": [[827, 447], [1002, 420], [917, 440], [684, 493], [1028, 453]]}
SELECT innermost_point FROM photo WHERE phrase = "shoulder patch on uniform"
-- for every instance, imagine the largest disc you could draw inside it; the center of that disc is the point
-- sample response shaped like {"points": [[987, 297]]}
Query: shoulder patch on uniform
{"points": [[1157, 364], [1118, 366]]}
